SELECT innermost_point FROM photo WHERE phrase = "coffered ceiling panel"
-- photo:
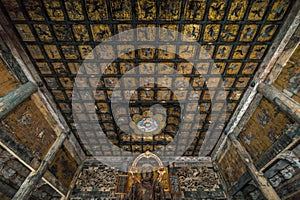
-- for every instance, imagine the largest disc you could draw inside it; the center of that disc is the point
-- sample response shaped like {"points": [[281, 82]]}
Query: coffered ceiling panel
{"points": [[59, 35]]}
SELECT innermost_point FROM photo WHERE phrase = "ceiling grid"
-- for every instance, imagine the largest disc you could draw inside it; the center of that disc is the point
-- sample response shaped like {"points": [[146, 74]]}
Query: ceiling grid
{"points": [[59, 35]]}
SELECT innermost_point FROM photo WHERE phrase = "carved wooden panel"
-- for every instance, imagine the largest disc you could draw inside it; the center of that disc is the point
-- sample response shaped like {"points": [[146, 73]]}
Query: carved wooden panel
{"points": [[7, 81], [194, 177], [28, 126], [289, 78], [63, 167], [96, 177], [121, 184], [284, 173], [175, 184], [196, 181], [12, 174], [43, 191], [98, 180], [263, 129], [231, 166], [249, 191]]}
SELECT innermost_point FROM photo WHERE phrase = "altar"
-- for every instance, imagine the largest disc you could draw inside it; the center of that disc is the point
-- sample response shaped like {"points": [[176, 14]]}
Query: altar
{"points": [[147, 176]]}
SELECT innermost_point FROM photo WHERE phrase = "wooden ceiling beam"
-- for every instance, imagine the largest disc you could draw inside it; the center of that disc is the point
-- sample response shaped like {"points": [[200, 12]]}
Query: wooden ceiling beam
{"points": [[16, 97], [43, 96], [258, 177], [286, 104], [34, 177], [282, 48], [73, 182], [23, 156], [284, 143]]}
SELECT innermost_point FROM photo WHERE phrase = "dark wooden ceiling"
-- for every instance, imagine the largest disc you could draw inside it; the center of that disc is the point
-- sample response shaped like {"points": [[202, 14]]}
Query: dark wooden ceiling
{"points": [[59, 35]]}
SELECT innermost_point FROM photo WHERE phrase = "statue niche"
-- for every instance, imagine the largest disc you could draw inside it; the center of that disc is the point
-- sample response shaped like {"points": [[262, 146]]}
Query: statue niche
{"points": [[148, 187], [147, 181]]}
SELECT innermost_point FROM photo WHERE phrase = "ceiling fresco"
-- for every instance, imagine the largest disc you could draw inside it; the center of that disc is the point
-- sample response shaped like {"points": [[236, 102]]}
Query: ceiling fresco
{"points": [[236, 34]]}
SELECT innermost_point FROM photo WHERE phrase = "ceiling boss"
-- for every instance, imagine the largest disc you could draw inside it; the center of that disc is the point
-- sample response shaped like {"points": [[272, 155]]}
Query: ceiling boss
{"points": [[147, 124]]}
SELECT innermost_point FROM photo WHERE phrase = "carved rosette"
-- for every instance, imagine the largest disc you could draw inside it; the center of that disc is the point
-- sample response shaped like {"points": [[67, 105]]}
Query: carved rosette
{"points": [[147, 124]]}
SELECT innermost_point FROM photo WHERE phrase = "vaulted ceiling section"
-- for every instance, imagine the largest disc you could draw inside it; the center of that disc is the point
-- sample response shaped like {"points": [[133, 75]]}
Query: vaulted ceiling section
{"points": [[59, 35]]}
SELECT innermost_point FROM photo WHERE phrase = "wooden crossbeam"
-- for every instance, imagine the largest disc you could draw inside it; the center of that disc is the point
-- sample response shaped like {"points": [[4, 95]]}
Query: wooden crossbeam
{"points": [[15, 97], [290, 138], [277, 56], [26, 158], [43, 95], [284, 102], [258, 177], [73, 182], [34, 177]]}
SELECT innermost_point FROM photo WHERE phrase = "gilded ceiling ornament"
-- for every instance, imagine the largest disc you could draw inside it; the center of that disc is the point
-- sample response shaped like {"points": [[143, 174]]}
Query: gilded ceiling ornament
{"points": [[147, 124]]}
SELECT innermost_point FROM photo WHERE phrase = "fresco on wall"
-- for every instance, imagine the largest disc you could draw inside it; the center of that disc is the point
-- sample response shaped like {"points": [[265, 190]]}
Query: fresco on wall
{"points": [[7, 82], [263, 128], [63, 167], [27, 125]]}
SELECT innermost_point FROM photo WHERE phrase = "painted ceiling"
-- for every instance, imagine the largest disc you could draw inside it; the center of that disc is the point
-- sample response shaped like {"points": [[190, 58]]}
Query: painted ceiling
{"points": [[59, 35]]}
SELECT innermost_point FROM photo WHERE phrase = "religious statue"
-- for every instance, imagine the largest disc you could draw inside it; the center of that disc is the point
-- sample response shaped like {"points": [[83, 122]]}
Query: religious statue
{"points": [[147, 188]]}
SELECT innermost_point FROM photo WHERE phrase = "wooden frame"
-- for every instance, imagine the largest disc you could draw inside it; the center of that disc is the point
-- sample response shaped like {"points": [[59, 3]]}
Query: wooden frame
{"points": [[178, 190], [117, 185]]}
